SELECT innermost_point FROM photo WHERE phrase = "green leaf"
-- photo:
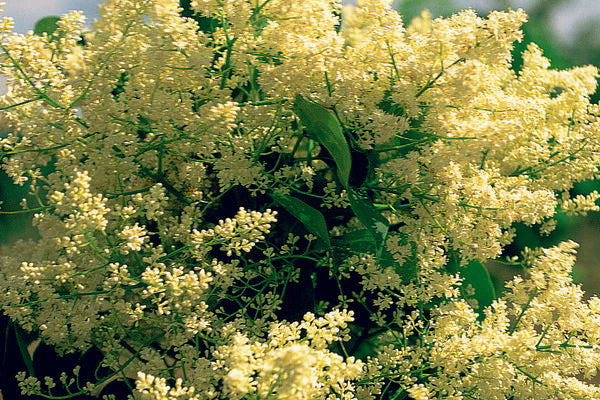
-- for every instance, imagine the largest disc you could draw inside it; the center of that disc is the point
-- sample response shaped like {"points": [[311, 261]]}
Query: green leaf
{"points": [[372, 341], [476, 275], [362, 241], [205, 24], [24, 351], [47, 24], [407, 270], [400, 394], [376, 224], [322, 124], [359, 241], [312, 218]]}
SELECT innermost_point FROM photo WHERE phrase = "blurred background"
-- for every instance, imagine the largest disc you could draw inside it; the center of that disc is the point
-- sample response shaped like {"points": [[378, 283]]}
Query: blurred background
{"points": [[567, 30]]}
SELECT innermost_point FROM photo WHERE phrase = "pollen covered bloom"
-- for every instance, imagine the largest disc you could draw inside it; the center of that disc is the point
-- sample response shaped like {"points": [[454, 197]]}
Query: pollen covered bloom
{"points": [[291, 199]]}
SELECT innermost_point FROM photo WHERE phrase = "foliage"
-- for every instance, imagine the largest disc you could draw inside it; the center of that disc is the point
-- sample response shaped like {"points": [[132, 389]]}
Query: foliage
{"points": [[253, 200]]}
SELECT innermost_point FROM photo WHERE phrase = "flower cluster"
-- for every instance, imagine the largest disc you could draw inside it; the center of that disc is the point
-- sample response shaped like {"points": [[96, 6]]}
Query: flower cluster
{"points": [[291, 199]]}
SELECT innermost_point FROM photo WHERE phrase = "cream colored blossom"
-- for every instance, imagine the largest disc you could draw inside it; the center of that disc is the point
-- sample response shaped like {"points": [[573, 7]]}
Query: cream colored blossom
{"points": [[134, 237], [195, 227]]}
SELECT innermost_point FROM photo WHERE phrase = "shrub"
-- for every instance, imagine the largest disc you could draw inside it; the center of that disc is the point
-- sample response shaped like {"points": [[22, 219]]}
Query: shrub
{"points": [[295, 200]]}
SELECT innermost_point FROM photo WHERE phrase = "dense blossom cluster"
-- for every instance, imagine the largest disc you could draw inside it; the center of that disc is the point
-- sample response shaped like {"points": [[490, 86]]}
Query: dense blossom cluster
{"points": [[291, 199]]}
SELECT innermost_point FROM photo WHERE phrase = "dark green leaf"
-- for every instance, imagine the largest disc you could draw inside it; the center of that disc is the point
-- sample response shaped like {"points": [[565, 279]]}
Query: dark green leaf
{"points": [[46, 24], [407, 270], [322, 124], [312, 218], [374, 162], [205, 24], [376, 224], [359, 241], [24, 352], [476, 275], [400, 394], [371, 342], [362, 241]]}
